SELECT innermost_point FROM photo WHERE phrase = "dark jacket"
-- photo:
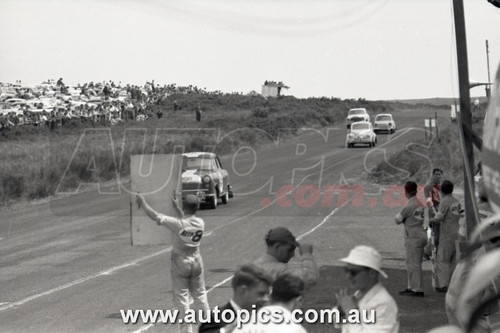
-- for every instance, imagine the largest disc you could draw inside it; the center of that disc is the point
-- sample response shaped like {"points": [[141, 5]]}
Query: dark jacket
{"points": [[214, 327]]}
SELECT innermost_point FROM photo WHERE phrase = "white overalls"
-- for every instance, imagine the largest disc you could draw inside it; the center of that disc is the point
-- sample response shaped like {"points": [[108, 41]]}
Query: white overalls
{"points": [[186, 272]]}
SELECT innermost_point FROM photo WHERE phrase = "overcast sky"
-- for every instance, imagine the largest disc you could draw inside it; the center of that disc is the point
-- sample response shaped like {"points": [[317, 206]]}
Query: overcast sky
{"points": [[373, 49]]}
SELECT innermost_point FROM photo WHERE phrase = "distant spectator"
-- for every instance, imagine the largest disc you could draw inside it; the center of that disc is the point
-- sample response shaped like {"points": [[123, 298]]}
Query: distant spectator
{"points": [[198, 113]]}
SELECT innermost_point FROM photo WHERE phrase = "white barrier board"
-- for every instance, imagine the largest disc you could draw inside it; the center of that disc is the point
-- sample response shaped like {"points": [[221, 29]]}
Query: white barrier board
{"points": [[156, 177]]}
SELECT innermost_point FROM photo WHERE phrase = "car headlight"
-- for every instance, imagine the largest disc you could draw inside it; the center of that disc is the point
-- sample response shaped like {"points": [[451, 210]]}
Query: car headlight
{"points": [[206, 179]]}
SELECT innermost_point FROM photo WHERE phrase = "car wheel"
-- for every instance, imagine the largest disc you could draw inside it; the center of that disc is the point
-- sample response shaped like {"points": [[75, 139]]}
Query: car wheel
{"points": [[213, 201], [225, 198]]}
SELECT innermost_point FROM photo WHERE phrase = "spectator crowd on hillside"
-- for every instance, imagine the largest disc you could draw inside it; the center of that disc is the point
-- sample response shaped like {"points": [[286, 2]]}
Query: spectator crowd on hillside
{"points": [[53, 104]]}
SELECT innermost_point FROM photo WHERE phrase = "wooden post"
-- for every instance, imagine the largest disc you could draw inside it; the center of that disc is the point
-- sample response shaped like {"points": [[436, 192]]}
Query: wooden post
{"points": [[425, 131], [436, 125]]}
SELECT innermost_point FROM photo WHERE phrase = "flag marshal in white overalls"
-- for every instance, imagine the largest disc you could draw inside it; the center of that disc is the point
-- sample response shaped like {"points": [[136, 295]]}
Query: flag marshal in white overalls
{"points": [[187, 265]]}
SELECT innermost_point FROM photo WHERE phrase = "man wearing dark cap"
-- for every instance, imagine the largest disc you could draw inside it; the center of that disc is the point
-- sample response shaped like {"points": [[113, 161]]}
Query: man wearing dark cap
{"points": [[281, 245], [187, 265]]}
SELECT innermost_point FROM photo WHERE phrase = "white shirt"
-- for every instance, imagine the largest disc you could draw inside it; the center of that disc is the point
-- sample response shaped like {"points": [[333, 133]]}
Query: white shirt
{"points": [[386, 312], [287, 326]]}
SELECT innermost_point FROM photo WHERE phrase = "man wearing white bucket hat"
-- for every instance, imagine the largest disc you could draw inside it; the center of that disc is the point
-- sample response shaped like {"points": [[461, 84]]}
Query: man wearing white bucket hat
{"points": [[366, 293]]}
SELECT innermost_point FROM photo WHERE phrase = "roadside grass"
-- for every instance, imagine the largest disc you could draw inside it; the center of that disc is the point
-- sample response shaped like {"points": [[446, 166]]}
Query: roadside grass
{"points": [[37, 162], [419, 158]]}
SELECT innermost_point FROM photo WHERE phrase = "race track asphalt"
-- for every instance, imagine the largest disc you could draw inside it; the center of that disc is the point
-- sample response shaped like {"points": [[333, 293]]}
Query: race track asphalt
{"points": [[67, 264]]}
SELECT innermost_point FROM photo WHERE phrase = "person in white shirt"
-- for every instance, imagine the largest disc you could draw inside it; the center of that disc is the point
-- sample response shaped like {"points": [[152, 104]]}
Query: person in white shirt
{"points": [[187, 265], [366, 293], [287, 295]]}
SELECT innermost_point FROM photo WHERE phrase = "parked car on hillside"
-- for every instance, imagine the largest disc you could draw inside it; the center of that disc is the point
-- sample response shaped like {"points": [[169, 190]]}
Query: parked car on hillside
{"points": [[384, 122], [204, 176], [361, 133], [358, 114]]}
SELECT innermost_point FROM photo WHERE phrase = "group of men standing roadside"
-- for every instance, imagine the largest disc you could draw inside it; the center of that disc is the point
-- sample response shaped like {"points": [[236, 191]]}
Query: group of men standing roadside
{"points": [[443, 212]]}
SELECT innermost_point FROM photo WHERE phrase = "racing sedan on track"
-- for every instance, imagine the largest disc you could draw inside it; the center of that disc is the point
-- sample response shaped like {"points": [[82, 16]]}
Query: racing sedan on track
{"points": [[361, 133], [358, 114], [384, 122], [204, 176]]}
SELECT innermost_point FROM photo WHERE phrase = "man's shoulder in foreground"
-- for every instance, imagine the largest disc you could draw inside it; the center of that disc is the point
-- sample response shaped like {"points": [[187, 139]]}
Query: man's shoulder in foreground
{"points": [[214, 326]]}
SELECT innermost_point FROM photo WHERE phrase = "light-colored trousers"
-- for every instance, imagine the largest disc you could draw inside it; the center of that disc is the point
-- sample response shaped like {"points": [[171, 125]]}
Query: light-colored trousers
{"points": [[188, 284], [414, 254], [446, 260]]}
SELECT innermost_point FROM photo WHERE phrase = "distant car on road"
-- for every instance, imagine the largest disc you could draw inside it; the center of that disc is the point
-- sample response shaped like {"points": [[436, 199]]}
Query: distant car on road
{"points": [[204, 176], [361, 133], [358, 114], [384, 123]]}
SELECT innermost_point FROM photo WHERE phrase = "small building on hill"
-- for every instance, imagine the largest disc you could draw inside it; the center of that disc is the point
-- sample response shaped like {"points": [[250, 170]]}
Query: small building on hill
{"points": [[272, 89]]}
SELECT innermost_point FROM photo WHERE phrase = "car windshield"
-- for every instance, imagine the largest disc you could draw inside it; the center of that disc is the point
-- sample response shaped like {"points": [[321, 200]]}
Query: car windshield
{"points": [[384, 118], [360, 126], [197, 163], [356, 112]]}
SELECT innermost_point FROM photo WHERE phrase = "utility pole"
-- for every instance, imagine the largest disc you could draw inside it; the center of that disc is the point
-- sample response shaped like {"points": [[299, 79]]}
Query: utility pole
{"points": [[466, 116], [488, 87]]}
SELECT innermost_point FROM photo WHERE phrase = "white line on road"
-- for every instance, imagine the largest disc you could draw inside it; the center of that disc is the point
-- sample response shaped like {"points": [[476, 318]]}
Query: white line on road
{"points": [[85, 279], [148, 326], [319, 225]]}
